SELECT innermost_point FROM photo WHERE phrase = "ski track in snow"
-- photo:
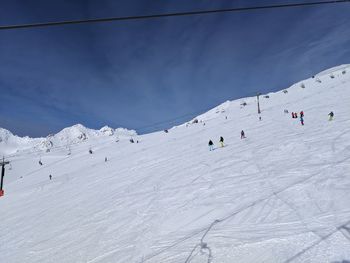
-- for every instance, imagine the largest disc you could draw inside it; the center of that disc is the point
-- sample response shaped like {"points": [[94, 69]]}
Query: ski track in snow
{"points": [[280, 195]]}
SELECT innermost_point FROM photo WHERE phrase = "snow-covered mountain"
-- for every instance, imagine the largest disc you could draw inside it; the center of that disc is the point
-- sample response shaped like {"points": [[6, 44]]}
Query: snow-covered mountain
{"points": [[10, 144], [279, 195]]}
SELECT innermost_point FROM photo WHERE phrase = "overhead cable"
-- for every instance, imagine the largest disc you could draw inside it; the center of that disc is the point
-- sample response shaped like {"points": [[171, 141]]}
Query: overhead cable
{"points": [[177, 14]]}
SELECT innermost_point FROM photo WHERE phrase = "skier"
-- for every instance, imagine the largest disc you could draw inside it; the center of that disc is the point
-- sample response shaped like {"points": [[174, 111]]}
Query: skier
{"points": [[242, 134], [331, 115], [40, 162], [221, 141], [132, 140], [105, 159], [296, 115], [293, 115], [302, 114], [302, 120], [90, 151], [50, 176], [211, 145]]}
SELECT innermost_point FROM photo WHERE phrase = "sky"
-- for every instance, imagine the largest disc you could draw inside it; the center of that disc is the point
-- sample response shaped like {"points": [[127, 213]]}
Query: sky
{"points": [[150, 75]]}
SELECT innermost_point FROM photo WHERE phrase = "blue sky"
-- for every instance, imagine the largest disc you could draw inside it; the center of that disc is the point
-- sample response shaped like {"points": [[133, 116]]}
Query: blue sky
{"points": [[145, 74]]}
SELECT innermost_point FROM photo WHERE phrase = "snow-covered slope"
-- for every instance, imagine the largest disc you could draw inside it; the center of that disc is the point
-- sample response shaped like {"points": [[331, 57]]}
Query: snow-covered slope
{"points": [[10, 144], [280, 195]]}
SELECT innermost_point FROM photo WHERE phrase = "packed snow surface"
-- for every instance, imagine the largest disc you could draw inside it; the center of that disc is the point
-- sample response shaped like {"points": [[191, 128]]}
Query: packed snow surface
{"points": [[279, 195]]}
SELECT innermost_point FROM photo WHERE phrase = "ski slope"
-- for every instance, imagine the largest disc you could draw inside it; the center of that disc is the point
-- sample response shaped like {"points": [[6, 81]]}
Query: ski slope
{"points": [[280, 195]]}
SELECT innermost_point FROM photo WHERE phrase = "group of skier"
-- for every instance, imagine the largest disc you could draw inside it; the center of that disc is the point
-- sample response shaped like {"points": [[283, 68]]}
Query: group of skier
{"points": [[221, 141], [295, 116]]}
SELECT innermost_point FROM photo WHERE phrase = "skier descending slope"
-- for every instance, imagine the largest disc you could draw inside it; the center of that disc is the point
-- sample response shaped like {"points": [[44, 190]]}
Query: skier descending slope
{"points": [[302, 120], [242, 134], [221, 141], [331, 115], [211, 145]]}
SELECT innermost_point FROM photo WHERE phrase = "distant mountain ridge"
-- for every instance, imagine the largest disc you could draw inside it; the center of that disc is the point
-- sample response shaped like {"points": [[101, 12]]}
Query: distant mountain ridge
{"points": [[10, 143]]}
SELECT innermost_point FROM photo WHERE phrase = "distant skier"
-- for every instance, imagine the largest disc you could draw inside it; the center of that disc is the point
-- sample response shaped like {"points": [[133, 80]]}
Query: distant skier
{"points": [[211, 145], [302, 114], [259, 118], [242, 134], [132, 140], [285, 111], [293, 115], [331, 115], [296, 115], [302, 120], [90, 151], [50, 176], [40, 162], [106, 159], [221, 141]]}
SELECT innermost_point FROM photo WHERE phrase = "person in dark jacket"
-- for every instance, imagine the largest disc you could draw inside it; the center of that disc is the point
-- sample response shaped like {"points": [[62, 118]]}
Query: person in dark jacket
{"points": [[242, 134], [331, 115], [211, 145], [221, 141]]}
